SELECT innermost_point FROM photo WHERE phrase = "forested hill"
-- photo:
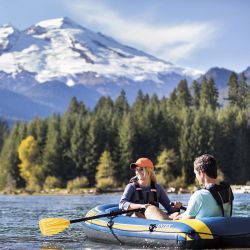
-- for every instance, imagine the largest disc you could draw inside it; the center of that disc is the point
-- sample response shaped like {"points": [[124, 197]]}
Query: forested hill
{"points": [[94, 148]]}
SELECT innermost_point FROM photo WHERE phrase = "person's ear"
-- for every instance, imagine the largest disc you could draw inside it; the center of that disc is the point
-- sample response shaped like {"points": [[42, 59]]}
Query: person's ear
{"points": [[202, 172]]}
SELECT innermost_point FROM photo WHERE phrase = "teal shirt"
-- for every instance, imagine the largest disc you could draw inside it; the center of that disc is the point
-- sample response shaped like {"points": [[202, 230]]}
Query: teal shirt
{"points": [[202, 204]]}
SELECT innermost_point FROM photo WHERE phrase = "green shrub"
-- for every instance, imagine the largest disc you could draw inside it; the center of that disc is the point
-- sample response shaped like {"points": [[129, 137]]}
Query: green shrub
{"points": [[52, 182], [177, 183], [161, 180], [106, 183], [79, 182]]}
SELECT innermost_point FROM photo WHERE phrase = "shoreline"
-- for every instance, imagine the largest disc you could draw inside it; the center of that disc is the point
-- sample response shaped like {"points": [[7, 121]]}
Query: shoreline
{"points": [[61, 191], [241, 189], [237, 189]]}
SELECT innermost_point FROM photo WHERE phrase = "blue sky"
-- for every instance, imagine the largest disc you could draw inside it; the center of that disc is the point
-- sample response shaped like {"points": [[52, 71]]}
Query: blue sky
{"points": [[194, 33]]}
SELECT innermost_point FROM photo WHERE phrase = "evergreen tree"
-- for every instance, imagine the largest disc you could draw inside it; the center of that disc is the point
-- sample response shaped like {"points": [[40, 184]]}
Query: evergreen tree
{"points": [[170, 125], [229, 143], [173, 97], [77, 108], [209, 94], [121, 106], [196, 87], [95, 144], [199, 137], [233, 89], [242, 92], [213, 94], [242, 147], [105, 129], [67, 127], [152, 128], [138, 106], [185, 146], [73, 106], [203, 133], [70, 125], [127, 148], [146, 113], [121, 109], [167, 167], [82, 109], [183, 94], [52, 157], [9, 172], [105, 172], [78, 147], [38, 129], [4, 131], [104, 107]]}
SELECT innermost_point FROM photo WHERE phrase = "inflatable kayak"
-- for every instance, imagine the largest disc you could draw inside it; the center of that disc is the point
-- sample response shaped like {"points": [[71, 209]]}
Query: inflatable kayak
{"points": [[215, 232]]}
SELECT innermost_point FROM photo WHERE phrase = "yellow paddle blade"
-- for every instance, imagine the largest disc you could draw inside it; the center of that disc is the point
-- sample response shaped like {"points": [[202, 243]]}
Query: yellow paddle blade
{"points": [[49, 226]]}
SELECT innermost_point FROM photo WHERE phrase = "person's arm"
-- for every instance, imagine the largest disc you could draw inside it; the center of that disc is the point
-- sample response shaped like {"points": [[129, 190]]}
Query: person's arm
{"points": [[183, 217], [126, 199], [165, 202], [136, 206], [194, 206]]}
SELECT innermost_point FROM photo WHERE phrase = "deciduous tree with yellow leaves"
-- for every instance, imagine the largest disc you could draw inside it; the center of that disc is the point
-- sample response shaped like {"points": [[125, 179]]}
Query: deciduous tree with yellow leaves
{"points": [[30, 169]]}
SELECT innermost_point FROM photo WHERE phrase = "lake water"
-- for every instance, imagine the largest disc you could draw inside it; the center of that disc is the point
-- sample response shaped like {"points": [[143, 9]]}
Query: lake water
{"points": [[19, 217]]}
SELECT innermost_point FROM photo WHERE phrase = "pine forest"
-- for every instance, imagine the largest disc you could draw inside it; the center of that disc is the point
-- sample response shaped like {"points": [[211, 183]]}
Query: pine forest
{"points": [[93, 148]]}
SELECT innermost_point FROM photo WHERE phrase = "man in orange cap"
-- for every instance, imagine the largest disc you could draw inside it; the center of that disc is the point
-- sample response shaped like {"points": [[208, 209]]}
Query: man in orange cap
{"points": [[143, 191]]}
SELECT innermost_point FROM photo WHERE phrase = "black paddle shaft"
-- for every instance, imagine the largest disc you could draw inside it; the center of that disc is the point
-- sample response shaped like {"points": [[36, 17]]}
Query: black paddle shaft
{"points": [[114, 213]]}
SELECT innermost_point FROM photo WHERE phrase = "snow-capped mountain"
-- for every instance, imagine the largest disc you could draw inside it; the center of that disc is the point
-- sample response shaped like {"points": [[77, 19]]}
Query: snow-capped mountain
{"points": [[55, 59]]}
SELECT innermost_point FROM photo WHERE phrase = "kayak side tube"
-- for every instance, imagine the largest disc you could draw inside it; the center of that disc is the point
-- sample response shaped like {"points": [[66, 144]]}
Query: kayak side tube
{"points": [[206, 233]]}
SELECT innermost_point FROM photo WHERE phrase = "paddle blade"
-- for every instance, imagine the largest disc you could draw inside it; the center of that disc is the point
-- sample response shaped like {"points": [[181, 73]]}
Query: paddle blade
{"points": [[49, 226]]}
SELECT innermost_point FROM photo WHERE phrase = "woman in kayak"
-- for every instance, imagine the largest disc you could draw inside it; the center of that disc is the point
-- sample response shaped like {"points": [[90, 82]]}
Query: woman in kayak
{"points": [[144, 192]]}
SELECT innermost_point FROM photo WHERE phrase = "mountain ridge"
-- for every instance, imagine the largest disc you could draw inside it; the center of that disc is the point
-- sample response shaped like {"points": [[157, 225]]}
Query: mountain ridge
{"points": [[54, 59]]}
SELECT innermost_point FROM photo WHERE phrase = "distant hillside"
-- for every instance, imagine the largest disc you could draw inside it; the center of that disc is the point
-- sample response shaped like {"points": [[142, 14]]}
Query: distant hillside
{"points": [[18, 107]]}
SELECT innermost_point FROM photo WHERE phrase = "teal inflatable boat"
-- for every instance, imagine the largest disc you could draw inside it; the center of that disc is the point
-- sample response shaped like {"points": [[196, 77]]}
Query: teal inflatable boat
{"points": [[215, 232]]}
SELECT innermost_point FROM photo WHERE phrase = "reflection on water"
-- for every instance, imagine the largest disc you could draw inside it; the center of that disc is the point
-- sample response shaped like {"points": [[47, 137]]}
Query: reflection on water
{"points": [[19, 216]]}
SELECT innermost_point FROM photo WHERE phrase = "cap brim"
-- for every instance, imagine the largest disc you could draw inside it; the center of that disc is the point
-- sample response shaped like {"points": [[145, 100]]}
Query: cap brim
{"points": [[133, 166]]}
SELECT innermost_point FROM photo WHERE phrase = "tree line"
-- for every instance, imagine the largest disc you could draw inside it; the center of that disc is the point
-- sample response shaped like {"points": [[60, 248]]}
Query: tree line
{"points": [[93, 148]]}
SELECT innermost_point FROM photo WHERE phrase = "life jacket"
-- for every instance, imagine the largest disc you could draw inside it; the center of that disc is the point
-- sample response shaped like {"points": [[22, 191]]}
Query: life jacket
{"points": [[151, 197], [222, 194]]}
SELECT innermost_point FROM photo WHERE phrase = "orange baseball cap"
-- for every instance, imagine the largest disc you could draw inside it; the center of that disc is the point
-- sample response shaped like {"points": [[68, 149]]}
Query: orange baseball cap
{"points": [[142, 162]]}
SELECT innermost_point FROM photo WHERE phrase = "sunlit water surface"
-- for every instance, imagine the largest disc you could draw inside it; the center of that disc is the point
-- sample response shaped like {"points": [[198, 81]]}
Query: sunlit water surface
{"points": [[19, 217]]}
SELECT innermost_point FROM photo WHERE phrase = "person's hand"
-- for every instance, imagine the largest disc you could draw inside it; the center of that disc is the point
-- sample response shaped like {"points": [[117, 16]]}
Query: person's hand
{"points": [[178, 217], [145, 205], [177, 204], [173, 216]]}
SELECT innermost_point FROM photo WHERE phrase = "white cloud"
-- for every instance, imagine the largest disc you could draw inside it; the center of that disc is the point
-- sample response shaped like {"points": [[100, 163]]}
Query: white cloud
{"points": [[172, 43]]}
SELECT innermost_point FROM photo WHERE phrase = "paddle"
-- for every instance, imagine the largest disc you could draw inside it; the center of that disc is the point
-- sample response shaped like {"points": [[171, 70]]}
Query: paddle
{"points": [[49, 226], [183, 208]]}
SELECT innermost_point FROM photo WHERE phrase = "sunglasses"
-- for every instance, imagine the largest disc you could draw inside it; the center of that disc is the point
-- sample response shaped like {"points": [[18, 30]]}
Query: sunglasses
{"points": [[139, 169]]}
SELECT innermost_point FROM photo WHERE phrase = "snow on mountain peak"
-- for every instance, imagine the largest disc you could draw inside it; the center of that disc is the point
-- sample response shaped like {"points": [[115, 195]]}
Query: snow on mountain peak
{"points": [[60, 49], [8, 36], [58, 23]]}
